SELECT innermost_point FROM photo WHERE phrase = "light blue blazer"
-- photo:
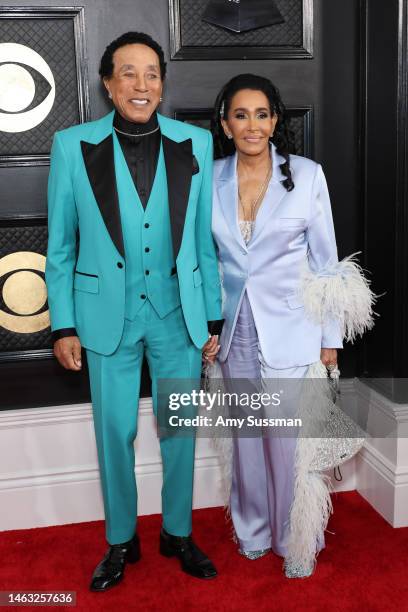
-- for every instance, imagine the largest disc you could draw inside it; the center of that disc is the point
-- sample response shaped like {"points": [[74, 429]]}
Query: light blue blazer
{"points": [[292, 229]]}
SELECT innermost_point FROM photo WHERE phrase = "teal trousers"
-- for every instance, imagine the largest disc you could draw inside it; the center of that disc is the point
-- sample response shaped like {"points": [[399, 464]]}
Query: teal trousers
{"points": [[115, 386]]}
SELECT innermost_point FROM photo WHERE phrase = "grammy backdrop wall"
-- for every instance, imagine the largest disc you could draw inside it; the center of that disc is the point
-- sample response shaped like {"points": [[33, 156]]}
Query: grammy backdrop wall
{"points": [[43, 89], [49, 57], [42, 80], [241, 29]]}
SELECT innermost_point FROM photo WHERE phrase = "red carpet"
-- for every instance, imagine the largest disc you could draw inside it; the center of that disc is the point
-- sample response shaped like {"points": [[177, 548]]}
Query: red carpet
{"points": [[364, 567]]}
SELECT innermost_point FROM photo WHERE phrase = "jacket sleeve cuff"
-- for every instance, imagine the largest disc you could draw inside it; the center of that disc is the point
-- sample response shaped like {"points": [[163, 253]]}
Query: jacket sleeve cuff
{"points": [[332, 334], [63, 333], [215, 327]]}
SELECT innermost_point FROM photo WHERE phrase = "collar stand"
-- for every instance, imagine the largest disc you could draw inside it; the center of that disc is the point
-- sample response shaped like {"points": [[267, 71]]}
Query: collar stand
{"points": [[136, 129]]}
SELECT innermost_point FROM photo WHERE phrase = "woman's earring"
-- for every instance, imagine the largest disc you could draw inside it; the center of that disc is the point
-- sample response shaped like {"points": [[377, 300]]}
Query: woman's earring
{"points": [[161, 99], [229, 136], [110, 96]]}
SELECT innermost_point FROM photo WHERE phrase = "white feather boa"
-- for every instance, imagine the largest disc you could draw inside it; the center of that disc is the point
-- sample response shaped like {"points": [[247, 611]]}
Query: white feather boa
{"points": [[311, 505], [213, 382], [341, 292]]}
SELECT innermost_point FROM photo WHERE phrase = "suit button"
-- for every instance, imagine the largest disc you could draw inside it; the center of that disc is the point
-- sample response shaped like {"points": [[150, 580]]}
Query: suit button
{"points": [[147, 272], [143, 297], [143, 192], [147, 225], [147, 249], [244, 253], [119, 264]]}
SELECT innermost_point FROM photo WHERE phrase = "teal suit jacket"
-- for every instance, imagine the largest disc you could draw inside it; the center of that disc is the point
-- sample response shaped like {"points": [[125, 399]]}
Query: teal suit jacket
{"points": [[85, 232]]}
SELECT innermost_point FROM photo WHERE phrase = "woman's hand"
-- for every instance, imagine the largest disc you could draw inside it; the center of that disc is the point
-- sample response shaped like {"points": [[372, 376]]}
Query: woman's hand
{"points": [[210, 349], [328, 357]]}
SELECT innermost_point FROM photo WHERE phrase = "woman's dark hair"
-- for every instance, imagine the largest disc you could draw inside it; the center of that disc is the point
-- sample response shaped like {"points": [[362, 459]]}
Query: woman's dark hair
{"points": [[130, 38], [282, 137]]}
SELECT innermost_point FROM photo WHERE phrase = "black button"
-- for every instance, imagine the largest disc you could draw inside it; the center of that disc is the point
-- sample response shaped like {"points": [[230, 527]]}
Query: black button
{"points": [[147, 224], [120, 264], [143, 297], [147, 249], [147, 272], [143, 192]]}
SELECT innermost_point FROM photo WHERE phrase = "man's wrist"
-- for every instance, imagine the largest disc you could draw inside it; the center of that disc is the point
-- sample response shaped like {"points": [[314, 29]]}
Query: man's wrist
{"points": [[64, 332]]}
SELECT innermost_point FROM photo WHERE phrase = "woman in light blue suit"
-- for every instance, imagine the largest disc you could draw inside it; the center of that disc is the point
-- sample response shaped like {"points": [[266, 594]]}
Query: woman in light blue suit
{"points": [[271, 217]]}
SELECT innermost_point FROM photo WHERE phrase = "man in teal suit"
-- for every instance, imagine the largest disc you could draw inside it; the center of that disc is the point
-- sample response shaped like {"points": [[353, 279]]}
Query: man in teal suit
{"points": [[131, 270]]}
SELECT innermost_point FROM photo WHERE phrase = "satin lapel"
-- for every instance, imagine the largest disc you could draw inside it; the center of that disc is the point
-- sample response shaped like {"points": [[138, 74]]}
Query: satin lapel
{"points": [[99, 163], [227, 188], [273, 197], [178, 157]]}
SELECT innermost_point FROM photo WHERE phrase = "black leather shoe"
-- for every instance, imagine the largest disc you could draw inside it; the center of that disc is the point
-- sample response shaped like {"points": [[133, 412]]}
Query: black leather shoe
{"points": [[193, 560], [110, 570]]}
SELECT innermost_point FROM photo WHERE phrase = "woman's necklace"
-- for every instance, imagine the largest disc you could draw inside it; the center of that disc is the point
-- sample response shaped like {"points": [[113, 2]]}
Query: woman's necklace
{"points": [[255, 203]]}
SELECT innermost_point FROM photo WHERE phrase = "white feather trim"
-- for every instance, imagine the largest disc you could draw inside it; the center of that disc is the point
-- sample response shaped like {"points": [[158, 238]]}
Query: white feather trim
{"points": [[311, 504], [309, 516], [213, 383], [342, 292]]}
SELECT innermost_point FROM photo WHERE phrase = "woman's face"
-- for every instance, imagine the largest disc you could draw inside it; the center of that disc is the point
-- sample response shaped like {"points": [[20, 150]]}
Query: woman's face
{"points": [[250, 122]]}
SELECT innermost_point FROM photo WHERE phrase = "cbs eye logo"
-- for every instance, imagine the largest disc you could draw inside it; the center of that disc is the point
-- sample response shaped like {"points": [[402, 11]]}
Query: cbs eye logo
{"points": [[23, 293], [27, 88]]}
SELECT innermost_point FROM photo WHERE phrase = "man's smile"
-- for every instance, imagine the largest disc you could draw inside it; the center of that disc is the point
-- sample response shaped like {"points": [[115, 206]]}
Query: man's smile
{"points": [[139, 101]]}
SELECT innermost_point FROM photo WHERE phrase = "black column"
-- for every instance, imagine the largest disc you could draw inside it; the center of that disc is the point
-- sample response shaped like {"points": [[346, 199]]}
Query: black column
{"points": [[384, 134]]}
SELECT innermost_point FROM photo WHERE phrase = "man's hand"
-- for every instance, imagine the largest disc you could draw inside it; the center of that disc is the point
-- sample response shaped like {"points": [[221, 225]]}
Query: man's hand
{"points": [[210, 349], [328, 356], [68, 352]]}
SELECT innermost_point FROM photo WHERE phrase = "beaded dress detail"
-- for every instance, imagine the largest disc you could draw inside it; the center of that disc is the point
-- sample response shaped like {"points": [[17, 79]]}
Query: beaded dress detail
{"points": [[247, 228]]}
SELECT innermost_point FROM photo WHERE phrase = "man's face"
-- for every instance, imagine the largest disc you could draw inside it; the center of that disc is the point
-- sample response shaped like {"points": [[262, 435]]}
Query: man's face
{"points": [[135, 85]]}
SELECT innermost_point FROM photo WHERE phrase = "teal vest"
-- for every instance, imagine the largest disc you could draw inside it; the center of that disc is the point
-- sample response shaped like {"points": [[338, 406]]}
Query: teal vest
{"points": [[148, 243]]}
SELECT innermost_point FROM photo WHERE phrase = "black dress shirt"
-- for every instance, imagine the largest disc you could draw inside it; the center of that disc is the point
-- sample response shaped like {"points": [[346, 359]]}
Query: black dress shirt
{"points": [[140, 144]]}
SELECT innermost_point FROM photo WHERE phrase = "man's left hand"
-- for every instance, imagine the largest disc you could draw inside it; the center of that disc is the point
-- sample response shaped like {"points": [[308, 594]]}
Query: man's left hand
{"points": [[210, 349]]}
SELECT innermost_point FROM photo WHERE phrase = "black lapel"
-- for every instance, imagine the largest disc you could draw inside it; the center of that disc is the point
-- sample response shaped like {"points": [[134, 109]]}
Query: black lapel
{"points": [[178, 157], [100, 167]]}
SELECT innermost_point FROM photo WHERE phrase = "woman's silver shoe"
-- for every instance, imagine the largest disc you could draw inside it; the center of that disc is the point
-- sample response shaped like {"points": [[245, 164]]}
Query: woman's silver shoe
{"points": [[254, 554], [296, 570]]}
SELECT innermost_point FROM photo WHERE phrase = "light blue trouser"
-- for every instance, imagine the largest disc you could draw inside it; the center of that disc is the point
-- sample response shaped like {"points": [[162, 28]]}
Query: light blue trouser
{"points": [[115, 385], [263, 467]]}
